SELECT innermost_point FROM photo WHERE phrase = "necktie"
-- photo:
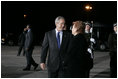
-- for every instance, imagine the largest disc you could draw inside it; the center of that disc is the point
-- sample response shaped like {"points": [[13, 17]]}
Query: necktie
{"points": [[58, 39]]}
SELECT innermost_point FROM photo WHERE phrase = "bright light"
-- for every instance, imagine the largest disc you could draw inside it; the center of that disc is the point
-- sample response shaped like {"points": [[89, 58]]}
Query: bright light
{"points": [[88, 7], [25, 15]]}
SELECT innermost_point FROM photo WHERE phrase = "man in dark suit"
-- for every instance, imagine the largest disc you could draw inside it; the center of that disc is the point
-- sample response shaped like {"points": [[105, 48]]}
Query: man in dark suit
{"points": [[112, 41], [90, 37], [29, 49], [56, 41], [21, 42]]}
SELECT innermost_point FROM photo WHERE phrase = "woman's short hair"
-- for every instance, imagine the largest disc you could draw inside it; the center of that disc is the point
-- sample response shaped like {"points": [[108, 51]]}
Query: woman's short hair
{"points": [[79, 25]]}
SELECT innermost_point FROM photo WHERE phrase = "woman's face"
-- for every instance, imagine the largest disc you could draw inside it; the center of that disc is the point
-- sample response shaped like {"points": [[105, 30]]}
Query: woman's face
{"points": [[74, 30]]}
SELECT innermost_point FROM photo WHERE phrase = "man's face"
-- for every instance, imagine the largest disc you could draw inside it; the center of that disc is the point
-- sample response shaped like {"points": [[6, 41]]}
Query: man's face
{"points": [[60, 24], [27, 27], [115, 28], [87, 28], [65, 28]]}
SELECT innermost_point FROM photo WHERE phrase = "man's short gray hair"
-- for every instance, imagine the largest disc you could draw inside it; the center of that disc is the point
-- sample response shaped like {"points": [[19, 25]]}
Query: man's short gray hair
{"points": [[58, 18]]}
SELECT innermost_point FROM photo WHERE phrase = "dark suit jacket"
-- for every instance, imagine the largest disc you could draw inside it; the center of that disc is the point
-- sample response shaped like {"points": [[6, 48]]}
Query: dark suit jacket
{"points": [[21, 39], [112, 41], [29, 39], [76, 60], [55, 56]]}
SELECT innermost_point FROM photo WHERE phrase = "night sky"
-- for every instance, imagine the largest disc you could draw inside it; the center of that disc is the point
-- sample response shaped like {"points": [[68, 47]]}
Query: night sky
{"points": [[41, 14]]}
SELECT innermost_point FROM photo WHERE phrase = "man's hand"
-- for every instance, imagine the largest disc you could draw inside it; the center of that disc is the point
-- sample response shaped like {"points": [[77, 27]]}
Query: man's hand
{"points": [[42, 65]]}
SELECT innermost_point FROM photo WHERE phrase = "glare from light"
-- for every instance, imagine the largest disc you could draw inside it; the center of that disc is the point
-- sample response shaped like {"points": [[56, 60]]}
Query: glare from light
{"points": [[88, 7], [25, 15]]}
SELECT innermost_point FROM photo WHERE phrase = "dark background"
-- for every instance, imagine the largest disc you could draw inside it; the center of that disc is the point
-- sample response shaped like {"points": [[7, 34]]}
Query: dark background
{"points": [[41, 14]]}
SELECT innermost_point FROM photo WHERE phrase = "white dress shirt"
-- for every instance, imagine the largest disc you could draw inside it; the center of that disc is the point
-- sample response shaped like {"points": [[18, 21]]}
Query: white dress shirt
{"points": [[28, 30]]}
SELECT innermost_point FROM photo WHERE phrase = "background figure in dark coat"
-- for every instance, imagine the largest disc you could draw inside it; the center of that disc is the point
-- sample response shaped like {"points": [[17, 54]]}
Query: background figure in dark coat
{"points": [[21, 42], [90, 37], [29, 49], [57, 49], [112, 41], [76, 60]]}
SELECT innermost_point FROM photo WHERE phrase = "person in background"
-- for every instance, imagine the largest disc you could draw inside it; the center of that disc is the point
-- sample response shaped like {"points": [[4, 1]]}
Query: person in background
{"points": [[56, 41], [91, 42], [21, 42], [112, 42], [29, 46], [77, 57]]}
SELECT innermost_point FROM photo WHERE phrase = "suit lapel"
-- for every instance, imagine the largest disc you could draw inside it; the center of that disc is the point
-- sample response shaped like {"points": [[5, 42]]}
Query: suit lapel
{"points": [[54, 38], [63, 40]]}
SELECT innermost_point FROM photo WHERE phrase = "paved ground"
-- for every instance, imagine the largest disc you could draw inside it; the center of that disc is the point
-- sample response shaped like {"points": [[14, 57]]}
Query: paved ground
{"points": [[12, 65]]}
